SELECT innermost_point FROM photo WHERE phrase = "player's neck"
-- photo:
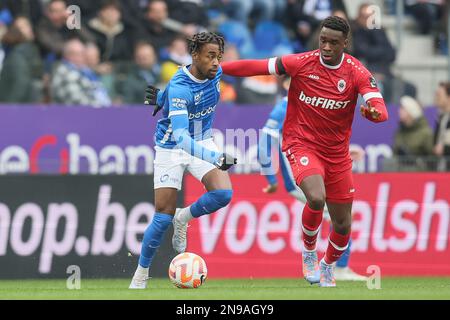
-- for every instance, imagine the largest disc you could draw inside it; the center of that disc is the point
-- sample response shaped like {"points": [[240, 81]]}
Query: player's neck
{"points": [[196, 73], [333, 65]]}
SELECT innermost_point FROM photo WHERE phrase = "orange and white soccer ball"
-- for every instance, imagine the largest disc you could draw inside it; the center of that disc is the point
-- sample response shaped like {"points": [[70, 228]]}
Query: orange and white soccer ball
{"points": [[187, 270]]}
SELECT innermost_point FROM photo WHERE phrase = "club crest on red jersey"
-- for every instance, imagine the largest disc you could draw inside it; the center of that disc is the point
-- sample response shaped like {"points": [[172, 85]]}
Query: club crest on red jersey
{"points": [[304, 160], [341, 85]]}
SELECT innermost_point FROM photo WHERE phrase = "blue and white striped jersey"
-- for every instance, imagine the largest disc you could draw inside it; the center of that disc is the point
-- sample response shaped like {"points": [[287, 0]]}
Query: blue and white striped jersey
{"points": [[186, 94]]}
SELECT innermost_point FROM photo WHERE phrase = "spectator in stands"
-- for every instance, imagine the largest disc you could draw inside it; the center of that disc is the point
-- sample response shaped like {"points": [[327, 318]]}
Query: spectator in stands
{"points": [[176, 56], [372, 47], [442, 130], [133, 12], [101, 75], [70, 85], [413, 142], [426, 13], [110, 34], [21, 76], [155, 30], [52, 32], [305, 16], [144, 71]]}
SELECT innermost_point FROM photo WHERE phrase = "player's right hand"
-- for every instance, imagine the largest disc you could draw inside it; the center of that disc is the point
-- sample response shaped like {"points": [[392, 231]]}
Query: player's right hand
{"points": [[369, 112], [225, 162], [151, 96], [270, 188]]}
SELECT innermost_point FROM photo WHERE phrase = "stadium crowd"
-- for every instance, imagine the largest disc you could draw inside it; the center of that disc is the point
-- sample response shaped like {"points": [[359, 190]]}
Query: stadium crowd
{"points": [[109, 53]]}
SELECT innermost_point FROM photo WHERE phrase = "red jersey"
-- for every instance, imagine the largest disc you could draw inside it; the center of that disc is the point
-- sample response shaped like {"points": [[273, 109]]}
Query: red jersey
{"points": [[322, 100]]}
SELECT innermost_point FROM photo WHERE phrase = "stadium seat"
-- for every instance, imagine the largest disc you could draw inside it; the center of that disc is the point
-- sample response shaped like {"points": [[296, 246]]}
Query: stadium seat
{"points": [[238, 34], [271, 39]]}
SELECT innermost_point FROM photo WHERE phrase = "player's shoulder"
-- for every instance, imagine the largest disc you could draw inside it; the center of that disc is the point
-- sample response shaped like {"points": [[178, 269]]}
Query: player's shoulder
{"points": [[304, 57], [179, 85], [355, 65]]}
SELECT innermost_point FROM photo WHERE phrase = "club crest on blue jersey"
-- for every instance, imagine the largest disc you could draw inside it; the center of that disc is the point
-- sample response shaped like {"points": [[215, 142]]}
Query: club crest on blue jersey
{"points": [[198, 97]]}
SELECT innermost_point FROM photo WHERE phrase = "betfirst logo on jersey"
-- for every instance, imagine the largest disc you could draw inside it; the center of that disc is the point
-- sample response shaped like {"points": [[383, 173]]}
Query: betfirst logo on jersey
{"points": [[202, 113], [323, 103]]}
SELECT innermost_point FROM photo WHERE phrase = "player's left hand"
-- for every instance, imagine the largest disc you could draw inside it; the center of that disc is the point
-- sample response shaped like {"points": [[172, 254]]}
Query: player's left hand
{"points": [[225, 162], [151, 95], [370, 112], [270, 188]]}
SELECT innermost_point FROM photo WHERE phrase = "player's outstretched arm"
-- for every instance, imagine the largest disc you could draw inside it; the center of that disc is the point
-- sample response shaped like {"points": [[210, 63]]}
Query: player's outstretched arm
{"points": [[180, 125], [248, 68]]}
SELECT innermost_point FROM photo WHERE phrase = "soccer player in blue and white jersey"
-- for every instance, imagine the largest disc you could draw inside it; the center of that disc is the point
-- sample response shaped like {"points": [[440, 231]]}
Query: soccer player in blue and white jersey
{"points": [[183, 141], [271, 139]]}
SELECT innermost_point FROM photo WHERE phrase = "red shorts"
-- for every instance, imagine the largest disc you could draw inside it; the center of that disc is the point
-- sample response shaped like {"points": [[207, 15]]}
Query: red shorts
{"points": [[337, 174]]}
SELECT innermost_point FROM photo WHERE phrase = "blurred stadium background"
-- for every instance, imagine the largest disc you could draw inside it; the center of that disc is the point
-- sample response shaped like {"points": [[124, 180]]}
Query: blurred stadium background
{"points": [[76, 141]]}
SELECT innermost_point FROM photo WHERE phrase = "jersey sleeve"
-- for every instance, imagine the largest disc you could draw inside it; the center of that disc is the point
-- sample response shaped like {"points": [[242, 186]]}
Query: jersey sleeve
{"points": [[179, 99], [367, 85], [368, 89]]}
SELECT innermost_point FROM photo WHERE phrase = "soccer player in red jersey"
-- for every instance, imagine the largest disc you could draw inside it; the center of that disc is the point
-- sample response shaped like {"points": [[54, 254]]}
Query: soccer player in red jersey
{"points": [[316, 134]]}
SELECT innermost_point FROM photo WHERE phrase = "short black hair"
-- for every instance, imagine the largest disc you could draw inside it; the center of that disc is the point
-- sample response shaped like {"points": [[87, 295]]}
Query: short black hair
{"points": [[202, 38], [336, 23]]}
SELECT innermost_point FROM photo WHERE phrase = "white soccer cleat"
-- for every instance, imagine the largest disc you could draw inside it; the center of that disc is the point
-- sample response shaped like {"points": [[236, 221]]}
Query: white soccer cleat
{"points": [[139, 281], [347, 274], [310, 266], [179, 241], [326, 275]]}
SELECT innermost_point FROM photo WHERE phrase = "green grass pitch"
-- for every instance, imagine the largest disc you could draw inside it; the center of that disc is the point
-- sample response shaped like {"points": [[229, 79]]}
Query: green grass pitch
{"points": [[226, 289]]}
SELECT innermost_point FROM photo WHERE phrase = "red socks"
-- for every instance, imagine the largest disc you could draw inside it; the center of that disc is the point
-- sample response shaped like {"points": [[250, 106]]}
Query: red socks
{"points": [[311, 220], [337, 244]]}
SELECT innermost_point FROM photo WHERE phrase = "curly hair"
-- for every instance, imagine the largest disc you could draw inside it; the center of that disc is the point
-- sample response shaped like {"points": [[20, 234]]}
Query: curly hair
{"points": [[202, 38], [336, 23]]}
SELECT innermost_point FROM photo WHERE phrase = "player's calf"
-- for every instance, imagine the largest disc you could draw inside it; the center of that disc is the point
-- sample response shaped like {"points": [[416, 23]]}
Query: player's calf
{"points": [[206, 204]]}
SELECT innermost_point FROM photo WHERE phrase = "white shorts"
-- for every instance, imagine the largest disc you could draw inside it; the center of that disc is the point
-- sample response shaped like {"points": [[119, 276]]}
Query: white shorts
{"points": [[170, 165]]}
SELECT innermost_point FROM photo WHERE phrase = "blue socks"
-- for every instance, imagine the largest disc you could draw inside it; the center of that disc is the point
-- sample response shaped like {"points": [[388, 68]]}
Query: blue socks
{"points": [[211, 202], [153, 236]]}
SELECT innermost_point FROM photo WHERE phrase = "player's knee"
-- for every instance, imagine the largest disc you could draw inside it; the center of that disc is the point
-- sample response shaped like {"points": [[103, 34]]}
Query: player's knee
{"points": [[342, 227], [222, 197], [316, 200]]}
